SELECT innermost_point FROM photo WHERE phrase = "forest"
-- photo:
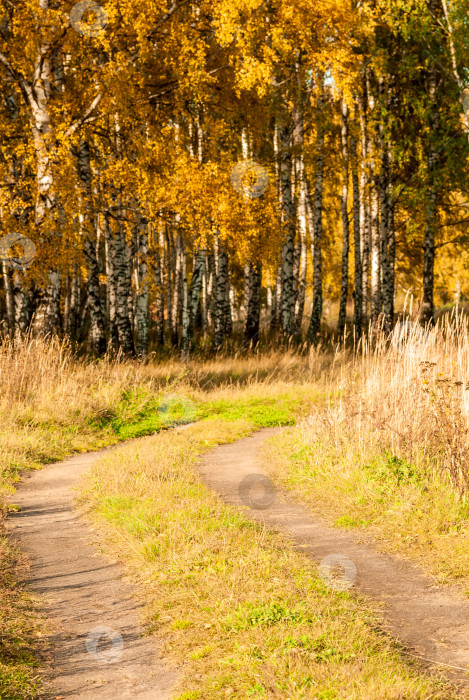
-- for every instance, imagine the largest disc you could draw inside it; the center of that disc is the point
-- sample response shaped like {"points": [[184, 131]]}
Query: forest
{"points": [[176, 175]]}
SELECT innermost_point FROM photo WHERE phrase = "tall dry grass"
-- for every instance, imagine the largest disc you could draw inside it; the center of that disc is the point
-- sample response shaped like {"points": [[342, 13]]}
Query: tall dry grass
{"points": [[47, 379], [407, 393]]}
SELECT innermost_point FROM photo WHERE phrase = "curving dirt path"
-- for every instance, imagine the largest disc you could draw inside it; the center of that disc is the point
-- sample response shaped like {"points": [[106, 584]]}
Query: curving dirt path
{"points": [[84, 592], [432, 622]]}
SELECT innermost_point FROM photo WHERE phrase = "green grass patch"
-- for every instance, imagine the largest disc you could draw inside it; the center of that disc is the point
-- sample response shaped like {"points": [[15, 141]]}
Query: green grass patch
{"points": [[262, 413], [141, 413], [263, 409]]}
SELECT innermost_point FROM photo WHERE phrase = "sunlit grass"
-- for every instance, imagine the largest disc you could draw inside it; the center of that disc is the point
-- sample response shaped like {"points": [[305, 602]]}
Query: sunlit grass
{"points": [[22, 630]]}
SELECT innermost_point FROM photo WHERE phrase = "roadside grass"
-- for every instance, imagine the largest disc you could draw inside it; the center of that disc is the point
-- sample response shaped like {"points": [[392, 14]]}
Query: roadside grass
{"points": [[388, 455], [238, 609], [53, 405], [22, 634]]}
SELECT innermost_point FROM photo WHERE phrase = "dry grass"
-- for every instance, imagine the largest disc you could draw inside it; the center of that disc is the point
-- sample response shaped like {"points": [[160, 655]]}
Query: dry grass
{"points": [[23, 631], [388, 453]]}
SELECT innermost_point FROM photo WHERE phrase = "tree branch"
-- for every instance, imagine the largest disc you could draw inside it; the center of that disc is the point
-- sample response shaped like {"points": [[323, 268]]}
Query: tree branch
{"points": [[82, 120], [175, 6], [14, 73]]}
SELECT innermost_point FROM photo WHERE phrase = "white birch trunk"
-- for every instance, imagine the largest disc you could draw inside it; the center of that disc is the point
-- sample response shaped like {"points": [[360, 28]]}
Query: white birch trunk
{"points": [[118, 252], [176, 259], [364, 199], [427, 307], [276, 298], [287, 301], [142, 289], [345, 219], [253, 282], [375, 255], [205, 295], [316, 313], [184, 309], [9, 300], [89, 227], [358, 277], [463, 87], [72, 320], [303, 257], [159, 290], [228, 313], [22, 306], [110, 284], [221, 294], [38, 94]]}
